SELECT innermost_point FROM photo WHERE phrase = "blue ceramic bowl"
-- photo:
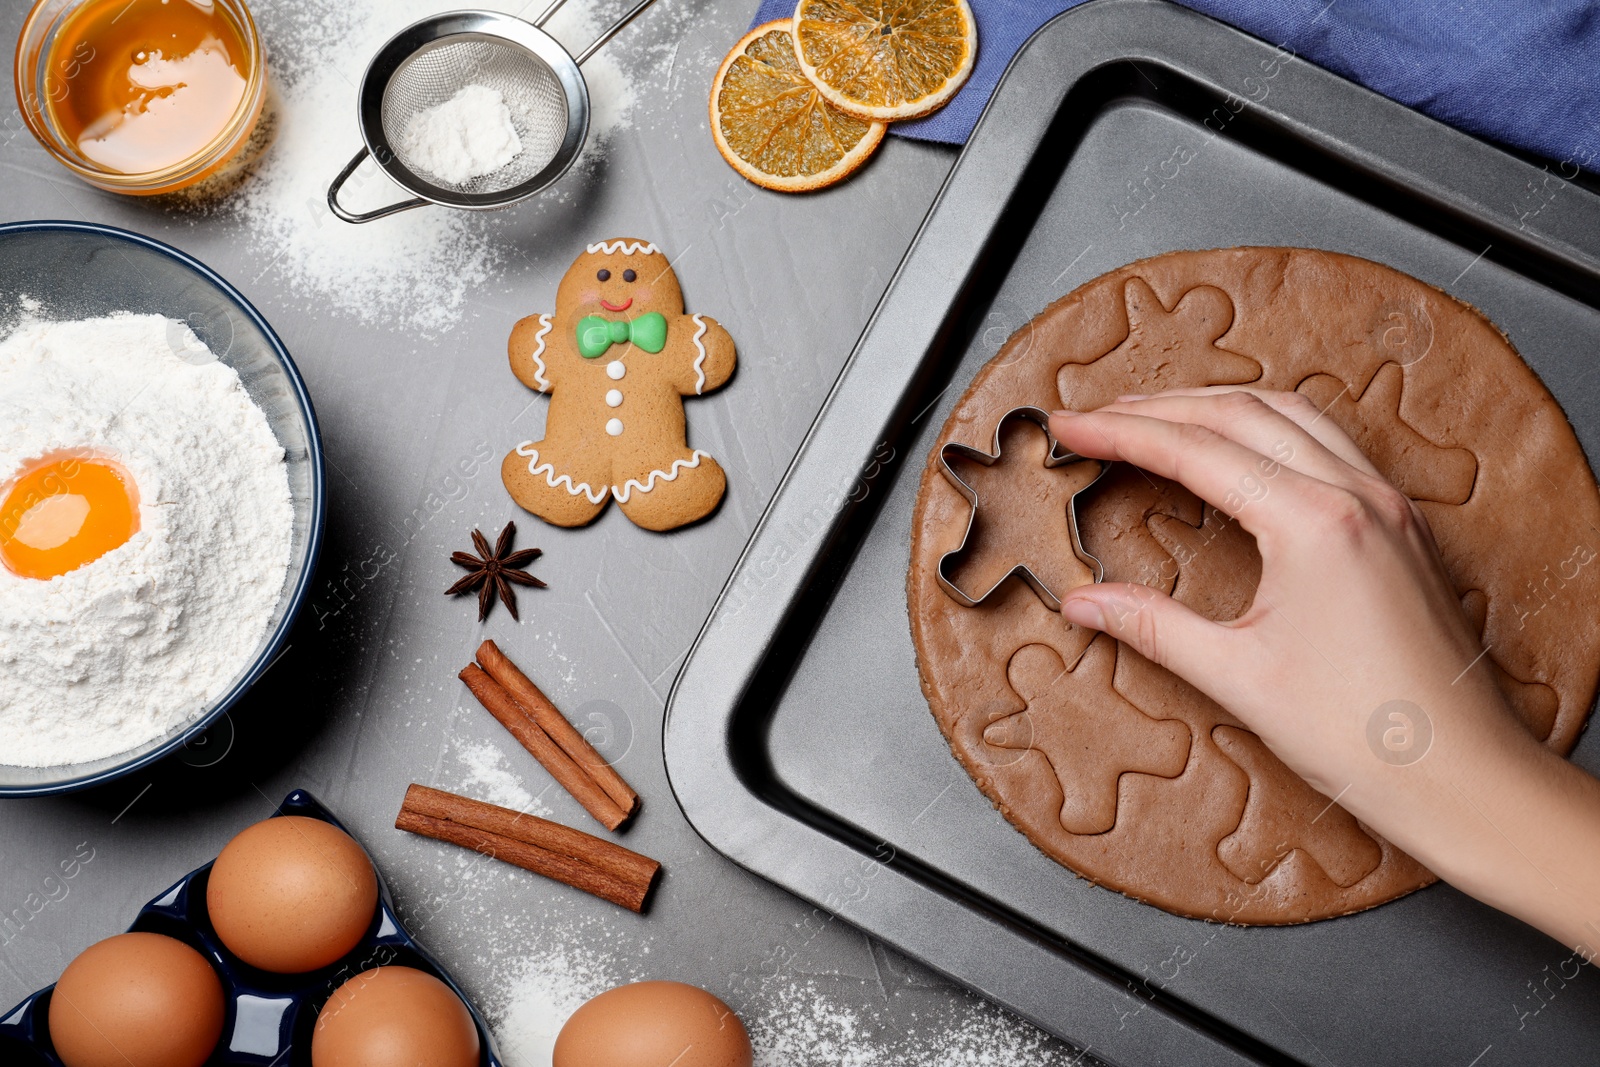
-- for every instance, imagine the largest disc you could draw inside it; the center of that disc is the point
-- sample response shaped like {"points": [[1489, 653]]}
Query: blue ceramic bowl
{"points": [[79, 270]]}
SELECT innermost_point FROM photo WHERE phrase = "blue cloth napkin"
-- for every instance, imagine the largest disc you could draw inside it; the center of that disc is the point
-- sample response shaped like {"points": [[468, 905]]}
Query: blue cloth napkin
{"points": [[1526, 75]]}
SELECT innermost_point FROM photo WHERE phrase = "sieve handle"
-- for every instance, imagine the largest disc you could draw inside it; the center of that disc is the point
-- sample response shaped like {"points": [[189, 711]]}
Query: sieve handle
{"points": [[615, 28], [364, 216], [544, 16]]}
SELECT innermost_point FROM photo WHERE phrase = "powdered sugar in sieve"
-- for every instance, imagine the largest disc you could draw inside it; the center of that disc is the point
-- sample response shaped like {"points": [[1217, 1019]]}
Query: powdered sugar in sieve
{"points": [[429, 62], [529, 88]]}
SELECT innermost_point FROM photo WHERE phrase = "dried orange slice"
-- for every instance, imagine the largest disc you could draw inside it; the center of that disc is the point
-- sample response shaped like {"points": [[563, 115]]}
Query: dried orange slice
{"points": [[772, 125], [886, 59]]}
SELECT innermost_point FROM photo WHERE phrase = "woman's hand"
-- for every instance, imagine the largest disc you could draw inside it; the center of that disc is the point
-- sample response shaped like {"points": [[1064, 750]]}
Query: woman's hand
{"points": [[1354, 613]]}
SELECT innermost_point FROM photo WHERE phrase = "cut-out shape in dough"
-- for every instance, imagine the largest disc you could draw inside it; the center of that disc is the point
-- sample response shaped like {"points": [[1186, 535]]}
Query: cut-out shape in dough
{"points": [[1283, 813], [1219, 566], [1088, 732], [1535, 703], [1419, 468], [1021, 517], [1164, 349], [1113, 524]]}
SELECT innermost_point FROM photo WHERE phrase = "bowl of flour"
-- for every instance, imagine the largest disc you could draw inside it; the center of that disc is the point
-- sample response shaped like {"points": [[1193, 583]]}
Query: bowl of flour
{"points": [[118, 352]]}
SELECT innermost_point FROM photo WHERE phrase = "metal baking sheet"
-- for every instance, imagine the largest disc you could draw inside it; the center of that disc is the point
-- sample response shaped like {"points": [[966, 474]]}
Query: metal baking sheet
{"points": [[797, 739]]}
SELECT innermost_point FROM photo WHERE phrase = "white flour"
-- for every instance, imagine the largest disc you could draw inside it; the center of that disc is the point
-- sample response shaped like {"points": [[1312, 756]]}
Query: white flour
{"points": [[798, 1023], [127, 647], [539, 999], [792, 1022], [489, 779], [467, 136]]}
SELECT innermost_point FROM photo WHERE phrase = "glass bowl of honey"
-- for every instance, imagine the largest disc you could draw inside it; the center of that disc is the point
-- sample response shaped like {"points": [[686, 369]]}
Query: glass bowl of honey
{"points": [[141, 96]]}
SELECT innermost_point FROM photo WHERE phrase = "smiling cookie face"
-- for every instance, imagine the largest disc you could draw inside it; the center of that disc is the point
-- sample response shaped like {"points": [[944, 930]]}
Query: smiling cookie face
{"points": [[620, 279]]}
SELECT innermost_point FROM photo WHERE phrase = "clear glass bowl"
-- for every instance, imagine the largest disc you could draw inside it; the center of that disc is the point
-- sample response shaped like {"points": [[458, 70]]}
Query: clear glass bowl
{"points": [[81, 270], [36, 83]]}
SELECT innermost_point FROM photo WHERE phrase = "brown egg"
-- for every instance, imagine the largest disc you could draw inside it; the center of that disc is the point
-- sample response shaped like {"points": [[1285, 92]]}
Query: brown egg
{"points": [[291, 894], [648, 1024], [137, 1000], [394, 1017]]}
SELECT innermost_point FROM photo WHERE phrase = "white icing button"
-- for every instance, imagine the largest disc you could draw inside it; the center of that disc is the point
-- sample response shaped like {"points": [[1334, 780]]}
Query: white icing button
{"points": [[615, 370], [614, 398], [614, 427]]}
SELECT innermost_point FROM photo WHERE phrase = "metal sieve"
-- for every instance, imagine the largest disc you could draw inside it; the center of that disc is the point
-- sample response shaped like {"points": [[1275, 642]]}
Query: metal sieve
{"points": [[427, 63]]}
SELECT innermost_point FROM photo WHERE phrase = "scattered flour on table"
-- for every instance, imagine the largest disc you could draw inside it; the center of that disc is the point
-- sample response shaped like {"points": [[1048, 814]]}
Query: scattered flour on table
{"points": [[488, 778], [792, 1024], [799, 1024], [417, 270], [539, 998], [125, 648], [802, 1026], [467, 136]]}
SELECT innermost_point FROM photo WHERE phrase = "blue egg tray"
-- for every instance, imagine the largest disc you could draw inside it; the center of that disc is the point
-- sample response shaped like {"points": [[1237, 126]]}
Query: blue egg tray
{"points": [[269, 1016]]}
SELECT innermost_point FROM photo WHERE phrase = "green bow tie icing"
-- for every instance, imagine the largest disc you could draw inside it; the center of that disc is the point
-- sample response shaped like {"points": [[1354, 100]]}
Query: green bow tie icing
{"points": [[595, 335]]}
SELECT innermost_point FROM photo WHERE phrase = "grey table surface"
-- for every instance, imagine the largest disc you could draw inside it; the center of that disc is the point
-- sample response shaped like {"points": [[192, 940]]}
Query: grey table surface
{"points": [[366, 700]]}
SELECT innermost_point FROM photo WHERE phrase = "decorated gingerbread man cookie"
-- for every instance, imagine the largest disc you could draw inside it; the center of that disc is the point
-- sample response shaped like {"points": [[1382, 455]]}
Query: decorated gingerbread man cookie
{"points": [[617, 358]]}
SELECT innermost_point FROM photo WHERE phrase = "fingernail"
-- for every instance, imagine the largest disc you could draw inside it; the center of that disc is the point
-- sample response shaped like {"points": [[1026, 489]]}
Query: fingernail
{"points": [[1128, 398], [1083, 612], [1064, 414]]}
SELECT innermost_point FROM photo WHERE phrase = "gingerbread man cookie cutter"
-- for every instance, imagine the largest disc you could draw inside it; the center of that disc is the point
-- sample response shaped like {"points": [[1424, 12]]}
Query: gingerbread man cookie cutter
{"points": [[1056, 457]]}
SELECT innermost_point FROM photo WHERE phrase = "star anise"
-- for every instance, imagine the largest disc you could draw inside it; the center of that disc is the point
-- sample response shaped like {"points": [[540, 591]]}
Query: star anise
{"points": [[493, 570]]}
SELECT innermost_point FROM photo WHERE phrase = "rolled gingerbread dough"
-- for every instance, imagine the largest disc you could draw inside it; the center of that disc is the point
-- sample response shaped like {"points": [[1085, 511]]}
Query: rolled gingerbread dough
{"points": [[1116, 768]]}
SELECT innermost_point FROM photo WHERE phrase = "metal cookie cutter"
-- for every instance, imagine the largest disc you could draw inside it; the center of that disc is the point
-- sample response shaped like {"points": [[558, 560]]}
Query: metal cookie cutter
{"points": [[1055, 458]]}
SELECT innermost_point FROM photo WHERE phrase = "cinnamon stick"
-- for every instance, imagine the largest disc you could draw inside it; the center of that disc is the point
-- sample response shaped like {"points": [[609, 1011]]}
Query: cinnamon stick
{"points": [[573, 778], [630, 893], [609, 858], [540, 708]]}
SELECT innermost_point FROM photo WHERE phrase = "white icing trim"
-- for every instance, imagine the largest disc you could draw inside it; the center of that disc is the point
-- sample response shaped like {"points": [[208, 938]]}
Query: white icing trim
{"points": [[699, 374], [538, 375], [649, 483], [548, 469], [627, 248]]}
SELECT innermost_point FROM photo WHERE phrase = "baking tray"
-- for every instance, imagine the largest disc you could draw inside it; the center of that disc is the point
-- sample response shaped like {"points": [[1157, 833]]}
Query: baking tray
{"points": [[797, 739]]}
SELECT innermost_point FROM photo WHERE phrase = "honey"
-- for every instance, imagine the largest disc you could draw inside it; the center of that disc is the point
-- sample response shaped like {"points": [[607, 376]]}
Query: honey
{"points": [[143, 85], [65, 512]]}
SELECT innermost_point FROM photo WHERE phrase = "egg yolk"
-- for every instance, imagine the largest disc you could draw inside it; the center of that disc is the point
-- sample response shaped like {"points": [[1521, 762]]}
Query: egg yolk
{"points": [[63, 513]]}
